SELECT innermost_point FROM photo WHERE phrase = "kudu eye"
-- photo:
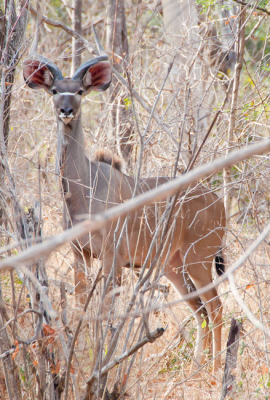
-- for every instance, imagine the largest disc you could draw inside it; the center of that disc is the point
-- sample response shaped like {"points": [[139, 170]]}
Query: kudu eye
{"points": [[80, 92], [54, 91]]}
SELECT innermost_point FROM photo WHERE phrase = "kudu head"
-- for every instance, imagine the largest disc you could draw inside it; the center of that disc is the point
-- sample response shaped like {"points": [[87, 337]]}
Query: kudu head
{"points": [[95, 74]]}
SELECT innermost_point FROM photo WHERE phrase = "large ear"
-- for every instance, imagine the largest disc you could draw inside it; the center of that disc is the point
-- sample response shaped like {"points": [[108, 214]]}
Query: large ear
{"points": [[98, 77], [37, 75]]}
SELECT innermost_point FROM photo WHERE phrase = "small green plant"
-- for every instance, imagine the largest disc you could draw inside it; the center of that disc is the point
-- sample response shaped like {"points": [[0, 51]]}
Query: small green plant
{"points": [[127, 103], [205, 4], [204, 324], [242, 347]]}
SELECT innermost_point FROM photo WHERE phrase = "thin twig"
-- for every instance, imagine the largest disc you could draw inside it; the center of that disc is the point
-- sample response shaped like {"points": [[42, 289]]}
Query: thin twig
{"points": [[65, 28], [251, 5], [193, 159], [146, 107], [236, 82], [71, 351], [153, 336], [92, 50], [197, 293], [30, 310], [161, 192]]}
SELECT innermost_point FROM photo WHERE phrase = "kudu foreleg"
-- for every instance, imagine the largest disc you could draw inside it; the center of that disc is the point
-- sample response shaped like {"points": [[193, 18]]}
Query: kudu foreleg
{"points": [[184, 285]]}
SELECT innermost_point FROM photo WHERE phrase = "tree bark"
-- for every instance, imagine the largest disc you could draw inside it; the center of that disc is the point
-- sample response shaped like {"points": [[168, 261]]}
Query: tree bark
{"points": [[12, 381], [182, 34], [117, 45], [231, 359], [76, 44], [233, 111], [12, 29], [13, 37]]}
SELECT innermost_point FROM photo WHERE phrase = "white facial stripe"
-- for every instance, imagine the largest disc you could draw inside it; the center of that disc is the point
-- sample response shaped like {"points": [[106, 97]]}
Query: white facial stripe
{"points": [[67, 94]]}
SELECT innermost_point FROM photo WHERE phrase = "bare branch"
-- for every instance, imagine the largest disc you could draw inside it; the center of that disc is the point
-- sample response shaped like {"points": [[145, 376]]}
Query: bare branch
{"points": [[30, 310], [231, 358], [161, 192], [236, 82], [234, 267], [70, 31], [251, 5], [152, 337], [92, 50], [71, 352]]}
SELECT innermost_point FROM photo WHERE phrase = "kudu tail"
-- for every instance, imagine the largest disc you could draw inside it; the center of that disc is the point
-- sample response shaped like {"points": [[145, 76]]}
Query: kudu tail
{"points": [[220, 262], [106, 156]]}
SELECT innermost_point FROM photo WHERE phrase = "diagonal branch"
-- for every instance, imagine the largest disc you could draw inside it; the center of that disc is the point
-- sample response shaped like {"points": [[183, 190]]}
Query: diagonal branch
{"points": [[65, 28], [150, 338], [251, 5], [161, 192]]}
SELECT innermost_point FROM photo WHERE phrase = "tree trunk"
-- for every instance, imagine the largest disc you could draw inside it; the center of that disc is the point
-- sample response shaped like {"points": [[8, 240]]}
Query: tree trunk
{"points": [[117, 45], [12, 29], [12, 34], [182, 35], [233, 112], [187, 33], [76, 44]]}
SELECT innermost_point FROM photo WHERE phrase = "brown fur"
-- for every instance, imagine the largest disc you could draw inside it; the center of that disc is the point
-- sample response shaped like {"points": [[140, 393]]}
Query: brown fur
{"points": [[106, 156]]}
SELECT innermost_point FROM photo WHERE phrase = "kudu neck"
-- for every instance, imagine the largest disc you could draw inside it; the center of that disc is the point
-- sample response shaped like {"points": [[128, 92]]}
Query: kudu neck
{"points": [[72, 132], [70, 147]]}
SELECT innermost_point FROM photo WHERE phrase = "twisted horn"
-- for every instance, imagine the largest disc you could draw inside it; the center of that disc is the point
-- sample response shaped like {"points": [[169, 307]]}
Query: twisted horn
{"points": [[101, 51], [54, 70], [103, 56]]}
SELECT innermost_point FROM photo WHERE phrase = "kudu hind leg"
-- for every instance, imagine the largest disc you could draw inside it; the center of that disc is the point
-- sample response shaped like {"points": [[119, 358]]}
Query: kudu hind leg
{"points": [[213, 306], [184, 285], [201, 274]]}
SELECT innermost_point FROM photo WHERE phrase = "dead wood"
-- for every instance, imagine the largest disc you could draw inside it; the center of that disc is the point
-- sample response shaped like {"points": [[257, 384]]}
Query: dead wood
{"points": [[231, 359]]}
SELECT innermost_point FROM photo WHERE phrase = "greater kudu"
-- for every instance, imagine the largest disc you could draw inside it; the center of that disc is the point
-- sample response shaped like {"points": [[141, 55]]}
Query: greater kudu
{"points": [[197, 221]]}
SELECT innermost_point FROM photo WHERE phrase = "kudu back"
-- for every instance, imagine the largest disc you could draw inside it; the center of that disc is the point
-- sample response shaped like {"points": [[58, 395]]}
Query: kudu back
{"points": [[196, 227]]}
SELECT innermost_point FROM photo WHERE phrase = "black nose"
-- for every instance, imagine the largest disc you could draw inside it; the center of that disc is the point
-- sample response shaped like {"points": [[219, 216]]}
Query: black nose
{"points": [[67, 112]]}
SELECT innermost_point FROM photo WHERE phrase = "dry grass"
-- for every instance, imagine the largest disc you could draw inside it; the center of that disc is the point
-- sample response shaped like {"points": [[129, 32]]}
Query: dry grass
{"points": [[160, 370]]}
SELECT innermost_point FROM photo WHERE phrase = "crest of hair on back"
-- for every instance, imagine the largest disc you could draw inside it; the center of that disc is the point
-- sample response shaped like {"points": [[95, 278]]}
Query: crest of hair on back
{"points": [[106, 156]]}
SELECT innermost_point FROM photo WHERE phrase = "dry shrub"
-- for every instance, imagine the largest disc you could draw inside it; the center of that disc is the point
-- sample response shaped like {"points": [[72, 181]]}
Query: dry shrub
{"points": [[159, 370]]}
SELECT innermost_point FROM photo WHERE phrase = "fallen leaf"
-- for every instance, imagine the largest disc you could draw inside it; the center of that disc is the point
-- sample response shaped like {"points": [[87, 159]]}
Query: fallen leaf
{"points": [[48, 330], [249, 286], [16, 350], [265, 369], [139, 373], [228, 20], [124, 380]]}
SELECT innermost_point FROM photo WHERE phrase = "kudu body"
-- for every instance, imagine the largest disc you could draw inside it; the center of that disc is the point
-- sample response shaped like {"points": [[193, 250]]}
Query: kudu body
{"points": [[196, 225]]}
